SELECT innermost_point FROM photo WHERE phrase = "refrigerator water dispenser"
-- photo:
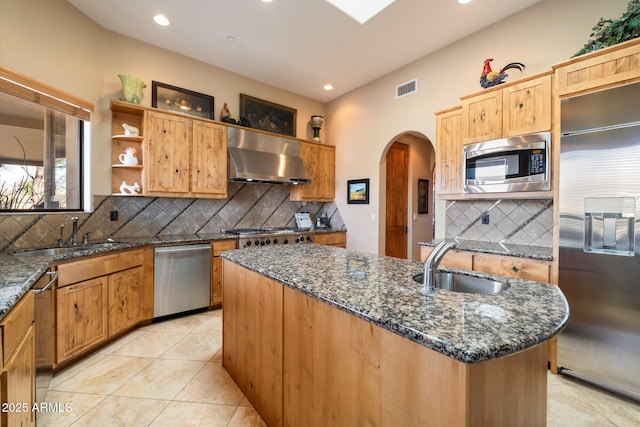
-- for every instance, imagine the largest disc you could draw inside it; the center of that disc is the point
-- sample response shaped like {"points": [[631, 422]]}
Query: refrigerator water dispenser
{"points": [[609, 225]]}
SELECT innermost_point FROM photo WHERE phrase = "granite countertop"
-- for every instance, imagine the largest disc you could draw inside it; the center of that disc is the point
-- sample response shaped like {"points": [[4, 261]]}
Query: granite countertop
{"points": [[19, 273], [467, 327], [521, 251]]}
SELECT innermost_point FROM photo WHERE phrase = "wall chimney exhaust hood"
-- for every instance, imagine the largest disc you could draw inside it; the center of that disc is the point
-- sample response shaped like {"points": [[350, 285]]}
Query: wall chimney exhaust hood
{"points": [[261, 157]]}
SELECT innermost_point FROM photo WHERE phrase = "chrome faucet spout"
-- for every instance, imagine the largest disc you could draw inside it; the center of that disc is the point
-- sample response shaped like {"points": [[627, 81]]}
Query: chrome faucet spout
{"points": [[74, 231], [431, 265]]}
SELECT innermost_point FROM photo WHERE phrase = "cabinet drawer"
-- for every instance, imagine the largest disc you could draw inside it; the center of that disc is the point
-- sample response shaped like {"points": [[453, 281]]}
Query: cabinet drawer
{"points": [[15, 325], [85, 269], [454, 259], [223, 245], [512, 267], [331, 238]]}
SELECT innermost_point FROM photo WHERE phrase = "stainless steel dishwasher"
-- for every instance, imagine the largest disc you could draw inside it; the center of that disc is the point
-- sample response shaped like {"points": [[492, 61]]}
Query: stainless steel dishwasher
{"points": [[181, 279]]}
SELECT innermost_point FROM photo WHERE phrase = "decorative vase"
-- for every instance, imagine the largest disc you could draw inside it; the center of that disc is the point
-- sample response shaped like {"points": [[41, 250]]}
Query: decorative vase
{"points": [[131, 88], [316, 125]]}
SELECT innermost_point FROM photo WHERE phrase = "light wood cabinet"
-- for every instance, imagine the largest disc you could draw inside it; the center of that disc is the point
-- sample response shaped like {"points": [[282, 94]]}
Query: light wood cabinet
{"points": [[177, 156], [338, 240], [81, 317], [17, 379], [97, 298], [508, 110], [319, 160], [216, 268], [124, 300], [168, 149], [501, 265], [449, 152]]}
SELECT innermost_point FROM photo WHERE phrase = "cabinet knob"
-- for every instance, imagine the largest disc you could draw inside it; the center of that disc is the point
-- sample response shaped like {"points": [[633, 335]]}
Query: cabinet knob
{"points": [[516, 268]]}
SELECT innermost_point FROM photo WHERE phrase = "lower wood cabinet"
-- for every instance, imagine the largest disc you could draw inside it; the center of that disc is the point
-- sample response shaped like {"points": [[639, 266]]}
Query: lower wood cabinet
{"points": [[17, 379], [216, 268], [501, 265], [338, 240], [97, 298]]}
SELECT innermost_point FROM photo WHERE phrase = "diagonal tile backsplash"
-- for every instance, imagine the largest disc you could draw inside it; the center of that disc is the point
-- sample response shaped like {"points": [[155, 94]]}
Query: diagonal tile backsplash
{"points": [[521, 222], [246, 206]]}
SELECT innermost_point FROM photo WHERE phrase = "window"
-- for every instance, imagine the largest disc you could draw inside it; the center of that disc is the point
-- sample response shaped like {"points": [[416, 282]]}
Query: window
{"points": [[41, 141]]}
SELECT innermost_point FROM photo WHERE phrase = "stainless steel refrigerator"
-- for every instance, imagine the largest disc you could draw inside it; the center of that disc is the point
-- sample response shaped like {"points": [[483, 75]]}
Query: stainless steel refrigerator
{"points": [[599, 256]]}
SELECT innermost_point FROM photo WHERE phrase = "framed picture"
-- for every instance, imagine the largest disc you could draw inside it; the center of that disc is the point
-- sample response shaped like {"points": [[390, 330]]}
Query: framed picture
{"points": [[178, 100], [358, 191], [423, 196], [268, 116]]}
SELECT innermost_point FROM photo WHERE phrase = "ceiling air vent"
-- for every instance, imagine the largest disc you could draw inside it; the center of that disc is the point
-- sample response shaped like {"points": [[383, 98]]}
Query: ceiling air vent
{"points": [[406, 88]]}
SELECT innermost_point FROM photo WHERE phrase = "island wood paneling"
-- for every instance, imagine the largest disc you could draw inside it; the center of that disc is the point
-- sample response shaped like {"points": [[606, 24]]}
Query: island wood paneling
{"points": [[252, 331]]}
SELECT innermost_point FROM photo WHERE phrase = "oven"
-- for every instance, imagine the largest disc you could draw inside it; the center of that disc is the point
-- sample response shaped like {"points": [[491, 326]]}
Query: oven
{"points": [[260, 237]]}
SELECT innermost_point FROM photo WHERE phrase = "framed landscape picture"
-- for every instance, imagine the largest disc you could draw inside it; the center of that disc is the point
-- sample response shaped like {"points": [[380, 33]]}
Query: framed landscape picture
{"points": [[268, 116], [358, 191], [178, 100]]}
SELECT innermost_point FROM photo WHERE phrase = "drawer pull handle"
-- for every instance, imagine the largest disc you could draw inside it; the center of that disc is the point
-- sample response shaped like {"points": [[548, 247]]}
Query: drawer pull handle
{"points": [[516, 268]]}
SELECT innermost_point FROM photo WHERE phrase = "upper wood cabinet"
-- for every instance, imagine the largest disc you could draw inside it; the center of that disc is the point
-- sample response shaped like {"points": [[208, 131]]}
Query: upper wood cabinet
{"points": [[178, 156], [320, 161], [508, 110], [612, 66], [449, 152]]}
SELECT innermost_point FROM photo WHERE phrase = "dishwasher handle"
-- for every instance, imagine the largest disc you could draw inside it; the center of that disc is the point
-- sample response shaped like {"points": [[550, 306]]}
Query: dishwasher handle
{"points": [[182, 248], [48, 285]]}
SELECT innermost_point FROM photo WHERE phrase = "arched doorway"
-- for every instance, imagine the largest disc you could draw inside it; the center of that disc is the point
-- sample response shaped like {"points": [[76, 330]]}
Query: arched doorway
{"points": [[409, 159]]}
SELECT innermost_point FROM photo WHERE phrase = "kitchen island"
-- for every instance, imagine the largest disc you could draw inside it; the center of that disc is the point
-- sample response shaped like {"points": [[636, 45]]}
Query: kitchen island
{"points": [[315, 335]]}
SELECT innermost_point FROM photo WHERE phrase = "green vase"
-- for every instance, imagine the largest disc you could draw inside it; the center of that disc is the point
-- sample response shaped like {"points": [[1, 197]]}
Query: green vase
{"points": [[131, 88]]}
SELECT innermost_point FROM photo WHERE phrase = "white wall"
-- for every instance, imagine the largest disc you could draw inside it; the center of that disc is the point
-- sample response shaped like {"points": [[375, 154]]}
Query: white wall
{"points": [[363, 122], [53, 43]]}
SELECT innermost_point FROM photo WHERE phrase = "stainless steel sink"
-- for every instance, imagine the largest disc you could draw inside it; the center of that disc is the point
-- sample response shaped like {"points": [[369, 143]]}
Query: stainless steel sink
{"points": [[65, 249], [463, 283]]}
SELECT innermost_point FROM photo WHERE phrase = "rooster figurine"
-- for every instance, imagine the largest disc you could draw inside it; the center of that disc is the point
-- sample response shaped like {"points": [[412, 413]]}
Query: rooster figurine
{"points": [[492, 78]]}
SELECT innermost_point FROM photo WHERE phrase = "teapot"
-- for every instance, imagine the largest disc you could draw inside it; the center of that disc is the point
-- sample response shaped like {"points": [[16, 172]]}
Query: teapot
{"points": [[128, 158]]}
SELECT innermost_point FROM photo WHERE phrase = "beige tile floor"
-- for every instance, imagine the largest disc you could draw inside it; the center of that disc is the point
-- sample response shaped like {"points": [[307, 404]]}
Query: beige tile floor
{"points": [[170, 374]]}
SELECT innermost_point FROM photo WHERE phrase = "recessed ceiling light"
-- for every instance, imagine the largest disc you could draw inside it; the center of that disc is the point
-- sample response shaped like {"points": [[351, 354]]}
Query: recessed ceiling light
{"points": [[231, 39], [267, 1], [328, 87], [464, 1], [361, 10], [161, 20]]}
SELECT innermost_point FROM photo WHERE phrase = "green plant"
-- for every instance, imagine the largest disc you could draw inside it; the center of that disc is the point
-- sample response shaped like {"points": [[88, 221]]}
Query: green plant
{"points": [[608, 32]]}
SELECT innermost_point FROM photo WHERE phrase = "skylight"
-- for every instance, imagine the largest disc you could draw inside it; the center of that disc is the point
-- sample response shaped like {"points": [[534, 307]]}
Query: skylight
{"points": [[361, 10]]}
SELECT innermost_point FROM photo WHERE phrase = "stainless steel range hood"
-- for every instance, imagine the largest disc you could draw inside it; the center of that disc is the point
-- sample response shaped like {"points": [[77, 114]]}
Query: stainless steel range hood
{"points": [[261, 157]]}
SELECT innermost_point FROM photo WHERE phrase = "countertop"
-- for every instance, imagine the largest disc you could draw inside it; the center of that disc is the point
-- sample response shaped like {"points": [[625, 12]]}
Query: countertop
{"points": [[19, 273], [521, 251], [470, 328]]}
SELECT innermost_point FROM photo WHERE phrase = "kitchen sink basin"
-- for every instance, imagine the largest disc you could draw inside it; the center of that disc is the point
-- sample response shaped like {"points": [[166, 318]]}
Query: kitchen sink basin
{"points": [[467, 284], [65, 249]]}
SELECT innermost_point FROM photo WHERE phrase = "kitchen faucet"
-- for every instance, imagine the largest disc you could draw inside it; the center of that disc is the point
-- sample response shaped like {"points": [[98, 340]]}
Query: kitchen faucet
{"points": [[74, 231], [431, 266]]}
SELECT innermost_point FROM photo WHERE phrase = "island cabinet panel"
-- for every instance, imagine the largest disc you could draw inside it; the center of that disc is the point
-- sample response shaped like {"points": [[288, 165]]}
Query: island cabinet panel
{"points": [[512, 267], [252, 330], [338, 240], [453, 259]]}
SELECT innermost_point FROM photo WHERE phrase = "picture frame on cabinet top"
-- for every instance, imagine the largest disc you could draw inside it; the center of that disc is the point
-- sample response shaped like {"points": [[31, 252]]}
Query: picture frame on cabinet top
{"points": [[269, 116], [178, 100]]}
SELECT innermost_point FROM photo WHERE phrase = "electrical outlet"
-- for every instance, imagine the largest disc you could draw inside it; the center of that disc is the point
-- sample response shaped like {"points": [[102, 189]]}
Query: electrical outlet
{"points": [[113, 215], [485, 218]]}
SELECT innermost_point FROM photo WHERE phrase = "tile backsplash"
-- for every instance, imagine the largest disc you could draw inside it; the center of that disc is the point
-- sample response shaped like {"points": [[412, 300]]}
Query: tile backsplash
{"points": [[247, 206], [521, 222]]}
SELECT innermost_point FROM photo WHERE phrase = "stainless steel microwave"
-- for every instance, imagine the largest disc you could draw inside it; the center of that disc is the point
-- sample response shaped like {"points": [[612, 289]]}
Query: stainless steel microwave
{"points": [[509, 164]]}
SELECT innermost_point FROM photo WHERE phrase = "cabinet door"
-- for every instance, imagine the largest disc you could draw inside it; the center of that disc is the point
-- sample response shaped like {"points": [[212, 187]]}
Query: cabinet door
{"points": [[18, 384], [519, 268], [526, 107], [124, 300], [326, 172], [81, 317], [209, 168], [482, 117], [449, 152], [331, 239], [168, 153]]}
